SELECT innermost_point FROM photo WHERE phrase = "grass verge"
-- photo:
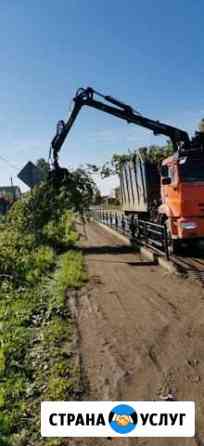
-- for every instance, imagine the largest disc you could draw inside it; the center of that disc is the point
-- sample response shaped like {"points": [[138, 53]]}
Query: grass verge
{"points": [[36, 353]]}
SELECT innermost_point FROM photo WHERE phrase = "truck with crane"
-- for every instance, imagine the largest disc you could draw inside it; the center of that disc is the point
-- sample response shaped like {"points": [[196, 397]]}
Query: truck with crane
{"points": [[172, 194]]}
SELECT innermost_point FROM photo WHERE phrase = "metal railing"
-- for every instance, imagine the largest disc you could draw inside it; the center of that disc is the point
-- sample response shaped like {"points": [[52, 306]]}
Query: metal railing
{"points": [[154, 235], [143, 232]]}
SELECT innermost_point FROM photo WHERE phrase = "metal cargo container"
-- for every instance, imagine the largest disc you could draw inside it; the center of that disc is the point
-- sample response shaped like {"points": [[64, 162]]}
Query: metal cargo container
{"points": [[140, 185]]}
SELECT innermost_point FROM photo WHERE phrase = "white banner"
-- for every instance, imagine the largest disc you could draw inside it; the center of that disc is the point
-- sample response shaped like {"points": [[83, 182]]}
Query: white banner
{"points": [[117, 419]]}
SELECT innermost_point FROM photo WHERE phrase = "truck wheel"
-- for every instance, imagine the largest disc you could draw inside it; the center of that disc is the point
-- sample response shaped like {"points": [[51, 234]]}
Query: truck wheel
{"points": [[173, 245]]}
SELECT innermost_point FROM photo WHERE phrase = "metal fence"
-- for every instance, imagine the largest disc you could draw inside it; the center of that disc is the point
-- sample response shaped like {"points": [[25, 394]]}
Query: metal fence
{"points": [[143, 232]]}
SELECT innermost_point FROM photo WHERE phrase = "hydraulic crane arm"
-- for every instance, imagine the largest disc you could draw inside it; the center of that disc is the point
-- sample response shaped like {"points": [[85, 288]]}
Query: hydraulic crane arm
{"points": [[120, 110]]}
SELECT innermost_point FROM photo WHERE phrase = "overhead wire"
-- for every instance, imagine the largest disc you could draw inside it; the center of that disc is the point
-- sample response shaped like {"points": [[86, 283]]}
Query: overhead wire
{"points": [[13, 166]]}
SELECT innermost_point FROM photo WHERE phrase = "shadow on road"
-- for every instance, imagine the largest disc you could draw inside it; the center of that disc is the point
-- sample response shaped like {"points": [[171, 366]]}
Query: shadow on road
{"points": [[108, 249], [116, 251], [143, 263]]}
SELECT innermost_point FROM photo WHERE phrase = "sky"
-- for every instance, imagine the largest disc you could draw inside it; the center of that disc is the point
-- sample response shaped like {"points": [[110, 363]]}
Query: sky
{"points": [[148, 54]]}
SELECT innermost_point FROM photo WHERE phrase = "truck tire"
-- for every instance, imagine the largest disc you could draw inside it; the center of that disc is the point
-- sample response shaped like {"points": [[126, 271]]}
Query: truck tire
{"points": [[173, 244], [174, 247]]}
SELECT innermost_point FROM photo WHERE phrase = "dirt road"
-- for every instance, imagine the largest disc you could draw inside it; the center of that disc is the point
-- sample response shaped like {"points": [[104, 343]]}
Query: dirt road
{"points": [[141, 332]]}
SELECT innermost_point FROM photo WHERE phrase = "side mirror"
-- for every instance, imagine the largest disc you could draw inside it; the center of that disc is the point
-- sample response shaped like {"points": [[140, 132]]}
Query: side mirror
{"points": [[166, 181]]}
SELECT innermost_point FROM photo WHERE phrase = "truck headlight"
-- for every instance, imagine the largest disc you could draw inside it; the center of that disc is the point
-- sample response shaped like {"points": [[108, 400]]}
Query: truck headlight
{"points": [[189, 225]]}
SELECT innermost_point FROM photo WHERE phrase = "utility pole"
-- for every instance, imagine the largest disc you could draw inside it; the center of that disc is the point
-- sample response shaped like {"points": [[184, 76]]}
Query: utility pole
{"points": [[14, 196]]}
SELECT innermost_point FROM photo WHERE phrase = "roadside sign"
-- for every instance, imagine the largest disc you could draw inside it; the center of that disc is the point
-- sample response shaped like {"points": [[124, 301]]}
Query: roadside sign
{"points": [[30, 174]]}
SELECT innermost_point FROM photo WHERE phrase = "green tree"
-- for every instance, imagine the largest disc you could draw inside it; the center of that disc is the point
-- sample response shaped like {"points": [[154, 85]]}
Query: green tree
{"points": [[63, 190], [97, 197], [155, 154], [44, 168]]}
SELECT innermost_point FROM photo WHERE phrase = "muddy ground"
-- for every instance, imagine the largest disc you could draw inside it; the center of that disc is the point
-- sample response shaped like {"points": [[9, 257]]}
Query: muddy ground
{"points": [[141, 333]]}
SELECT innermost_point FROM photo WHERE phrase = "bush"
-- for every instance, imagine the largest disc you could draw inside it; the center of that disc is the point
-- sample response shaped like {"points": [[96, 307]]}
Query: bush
{"points": [[41, 261], [61, 232], [21, 259], [33, 314], [71, 273]]}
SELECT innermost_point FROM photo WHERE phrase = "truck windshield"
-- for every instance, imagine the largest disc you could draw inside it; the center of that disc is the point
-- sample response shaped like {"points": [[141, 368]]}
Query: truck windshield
{"points": [[191, 171]]}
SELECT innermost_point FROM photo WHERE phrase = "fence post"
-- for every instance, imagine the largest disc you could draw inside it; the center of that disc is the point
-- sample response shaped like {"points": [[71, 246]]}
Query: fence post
{"points": [[111, 219], [165, 237], [123, 223], [145, 231], [116, 221], [132, 227]]}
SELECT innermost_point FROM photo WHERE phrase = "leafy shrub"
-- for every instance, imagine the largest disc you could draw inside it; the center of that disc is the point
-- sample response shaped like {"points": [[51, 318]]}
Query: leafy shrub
{"points": [[70, 273], [155, 154], [61, 232], [41, 261], [21, 259], [33, 312]]}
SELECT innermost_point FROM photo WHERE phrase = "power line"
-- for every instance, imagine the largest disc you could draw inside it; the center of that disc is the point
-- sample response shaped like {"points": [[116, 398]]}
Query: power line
{"points": [[13, 166]]}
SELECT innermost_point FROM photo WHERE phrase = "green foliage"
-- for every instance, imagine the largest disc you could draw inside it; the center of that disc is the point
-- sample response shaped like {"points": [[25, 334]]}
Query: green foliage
{"points": [[35, 333], [42, 260], [156, 154], [61, 232], [153, 153], [83, 190], [115, 165], [2, 363], [35, 325], [44, 168], [70, 273], [63, 190], [21, 259]]}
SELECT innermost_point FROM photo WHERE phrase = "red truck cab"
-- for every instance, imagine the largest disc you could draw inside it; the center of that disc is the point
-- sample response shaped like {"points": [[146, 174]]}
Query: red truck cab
{"points": [[182, 195]]}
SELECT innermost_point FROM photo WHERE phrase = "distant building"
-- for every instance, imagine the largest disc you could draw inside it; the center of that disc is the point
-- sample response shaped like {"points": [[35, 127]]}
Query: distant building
{"points": [[8, 194], [110, 200]]}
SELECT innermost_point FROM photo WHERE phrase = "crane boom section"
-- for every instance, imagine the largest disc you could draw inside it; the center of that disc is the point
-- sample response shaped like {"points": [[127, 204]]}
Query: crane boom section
{"points": [[85, 97]]}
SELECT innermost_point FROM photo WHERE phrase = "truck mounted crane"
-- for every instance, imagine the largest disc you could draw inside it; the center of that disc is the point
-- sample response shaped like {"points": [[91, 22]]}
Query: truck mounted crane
{"points": [[86, 97], [176, 190]]}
